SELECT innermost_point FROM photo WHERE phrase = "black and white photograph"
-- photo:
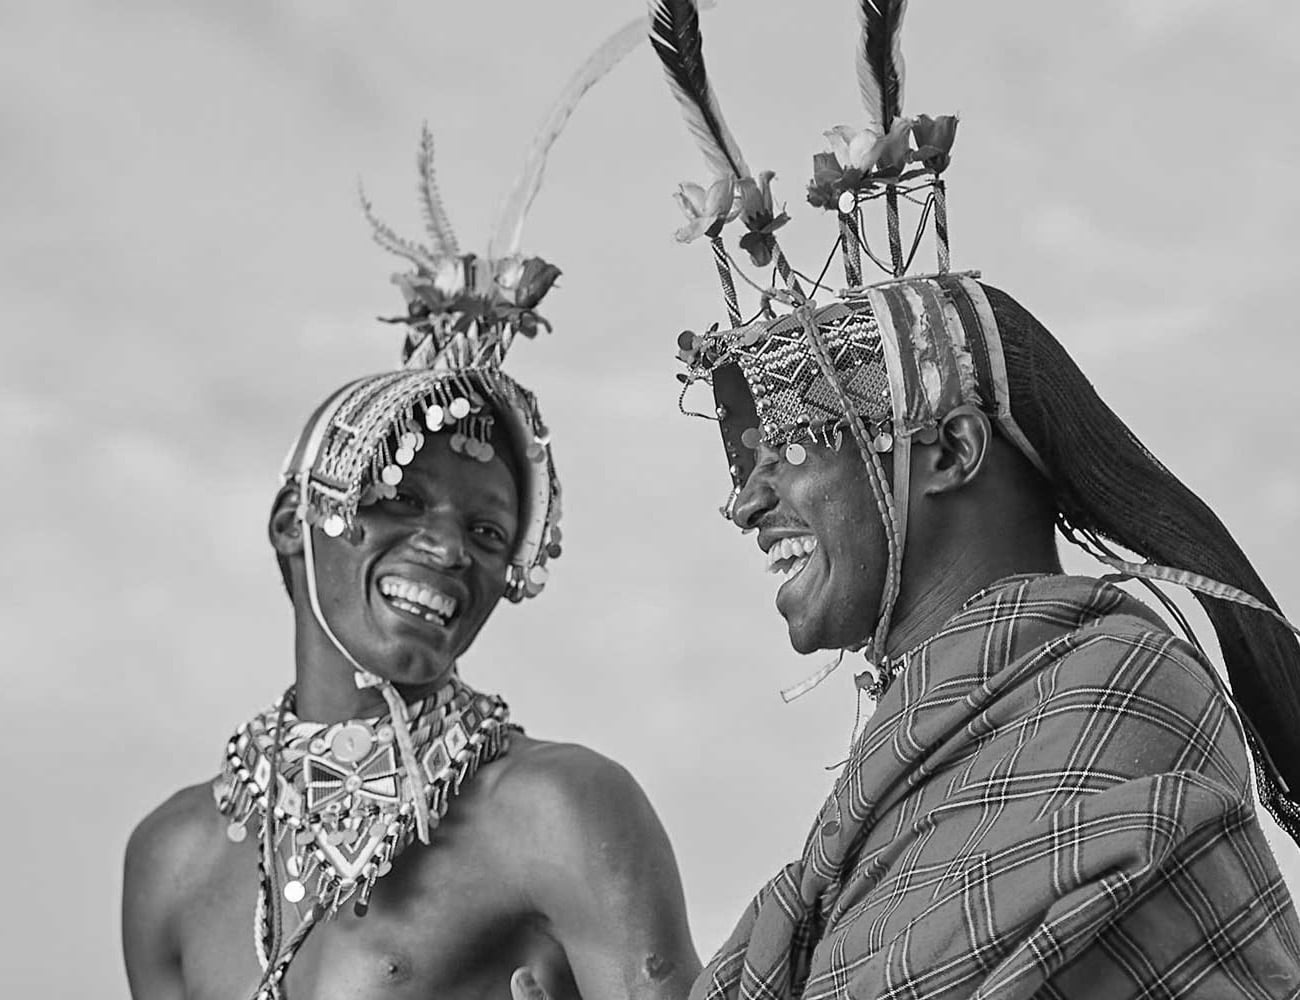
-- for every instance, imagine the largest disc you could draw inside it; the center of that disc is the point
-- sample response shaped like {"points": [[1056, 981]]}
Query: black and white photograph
{"points": [[650, 500]]}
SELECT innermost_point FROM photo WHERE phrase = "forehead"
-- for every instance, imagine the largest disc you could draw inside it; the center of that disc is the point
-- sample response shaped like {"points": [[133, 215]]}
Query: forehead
{"points": [[439, 465]]}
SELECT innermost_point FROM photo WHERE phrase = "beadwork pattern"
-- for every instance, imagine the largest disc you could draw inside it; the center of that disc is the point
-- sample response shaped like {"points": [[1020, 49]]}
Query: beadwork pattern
{"points": [[339, 793]]}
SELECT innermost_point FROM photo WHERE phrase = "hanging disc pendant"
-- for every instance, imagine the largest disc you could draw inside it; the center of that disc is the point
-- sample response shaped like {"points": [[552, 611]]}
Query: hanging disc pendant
{"points": [[351, 743]]}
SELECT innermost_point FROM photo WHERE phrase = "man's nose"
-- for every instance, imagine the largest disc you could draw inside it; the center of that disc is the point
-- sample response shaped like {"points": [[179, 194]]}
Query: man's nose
{"points": [[443, 541], [755, 498]]}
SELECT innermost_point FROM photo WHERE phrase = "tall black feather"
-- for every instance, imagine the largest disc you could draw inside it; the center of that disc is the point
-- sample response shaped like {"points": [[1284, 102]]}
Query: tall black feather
{"points": [[676, 37], [880, 61]]}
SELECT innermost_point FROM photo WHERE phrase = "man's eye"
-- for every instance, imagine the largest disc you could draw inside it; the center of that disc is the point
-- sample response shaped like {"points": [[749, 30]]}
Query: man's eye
{"points": [[492, 533], [404, 498]]}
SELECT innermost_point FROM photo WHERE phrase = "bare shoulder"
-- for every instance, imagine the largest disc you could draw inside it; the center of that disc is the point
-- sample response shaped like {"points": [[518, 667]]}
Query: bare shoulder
{"points": [[565, 811], [170, 851], [184, 821], [172, 843], [584, 845], [566, 788]]}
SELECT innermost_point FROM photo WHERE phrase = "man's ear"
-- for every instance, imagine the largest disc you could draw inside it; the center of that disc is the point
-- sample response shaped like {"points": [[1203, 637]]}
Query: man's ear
{"points": [[958, 454], [284, 528]]}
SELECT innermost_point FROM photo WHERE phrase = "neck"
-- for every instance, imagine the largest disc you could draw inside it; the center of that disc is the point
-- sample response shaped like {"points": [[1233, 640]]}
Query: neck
{"points": [[316, 702], [945, 582], [325, 687]]}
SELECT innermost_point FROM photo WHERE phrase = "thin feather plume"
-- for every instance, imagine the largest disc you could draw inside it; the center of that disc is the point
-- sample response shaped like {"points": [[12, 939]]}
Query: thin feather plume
{"points": [[418, 255], [881, 72], [507, 234], [677, 40], [435, 215]]}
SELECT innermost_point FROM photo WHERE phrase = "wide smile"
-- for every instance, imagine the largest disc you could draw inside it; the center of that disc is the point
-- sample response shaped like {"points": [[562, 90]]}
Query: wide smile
{"points": [[419, 600], [790, 556]]}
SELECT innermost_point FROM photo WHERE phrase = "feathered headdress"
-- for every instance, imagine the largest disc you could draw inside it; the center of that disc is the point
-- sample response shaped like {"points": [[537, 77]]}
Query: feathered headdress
{"points": [[732, 190], [882, 364], [797, 372], [463, 312], [890, 155]]}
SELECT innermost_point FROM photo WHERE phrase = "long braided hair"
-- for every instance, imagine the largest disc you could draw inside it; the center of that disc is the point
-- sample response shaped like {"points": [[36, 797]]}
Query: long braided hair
{"points": [[1109, 485]]}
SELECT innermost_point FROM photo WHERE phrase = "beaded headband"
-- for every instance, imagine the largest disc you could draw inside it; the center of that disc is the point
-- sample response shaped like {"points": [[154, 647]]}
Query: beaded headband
{"points": [[884, 362], [463, 312], [902, 355]]}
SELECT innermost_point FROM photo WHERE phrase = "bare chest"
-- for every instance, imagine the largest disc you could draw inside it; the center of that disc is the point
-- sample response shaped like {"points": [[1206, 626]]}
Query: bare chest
{"points": [[441, 923]]}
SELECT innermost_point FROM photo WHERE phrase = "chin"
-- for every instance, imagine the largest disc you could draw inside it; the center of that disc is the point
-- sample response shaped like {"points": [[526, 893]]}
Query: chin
{"points": [[827, 630], [807, 636], [801, 642]]}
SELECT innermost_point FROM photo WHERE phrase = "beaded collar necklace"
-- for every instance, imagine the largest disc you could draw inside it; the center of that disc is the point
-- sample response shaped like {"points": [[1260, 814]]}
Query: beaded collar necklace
{"points": [[344, 807]]}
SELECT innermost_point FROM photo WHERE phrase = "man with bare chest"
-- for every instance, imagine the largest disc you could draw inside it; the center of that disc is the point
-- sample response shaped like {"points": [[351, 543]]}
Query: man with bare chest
{"points": [[549, 855], [383, 829]]}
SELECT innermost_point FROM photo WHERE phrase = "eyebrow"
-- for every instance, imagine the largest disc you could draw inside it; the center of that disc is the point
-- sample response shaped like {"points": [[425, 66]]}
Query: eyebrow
{"points": [[505, 502]]}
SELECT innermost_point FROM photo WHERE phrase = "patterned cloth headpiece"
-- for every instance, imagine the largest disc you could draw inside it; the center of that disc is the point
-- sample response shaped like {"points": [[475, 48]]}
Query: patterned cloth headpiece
{"points": [[887, 362], [883, 362]]}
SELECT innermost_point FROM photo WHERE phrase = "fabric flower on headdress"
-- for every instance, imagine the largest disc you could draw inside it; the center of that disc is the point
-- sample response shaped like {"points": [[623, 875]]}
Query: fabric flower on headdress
{"points": [[828, 180], [868, 152], [449, 276], [853, 149], [934, 139], [858, 158], [524, 282], [892, 151], [518, 285], [760, 218], [433, 290], [706, 211]]}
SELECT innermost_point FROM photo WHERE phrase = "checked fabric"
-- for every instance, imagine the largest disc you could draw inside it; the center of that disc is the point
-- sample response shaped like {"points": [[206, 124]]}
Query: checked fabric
{"points": [[1052, 801]]}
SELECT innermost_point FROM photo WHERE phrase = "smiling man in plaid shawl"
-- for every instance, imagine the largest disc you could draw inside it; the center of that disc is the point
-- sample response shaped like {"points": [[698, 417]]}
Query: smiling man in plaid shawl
{"points": [[1053, 797]]}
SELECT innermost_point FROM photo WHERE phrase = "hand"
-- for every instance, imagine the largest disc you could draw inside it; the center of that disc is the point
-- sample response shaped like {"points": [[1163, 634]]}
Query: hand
{"points": [[524, 986]]}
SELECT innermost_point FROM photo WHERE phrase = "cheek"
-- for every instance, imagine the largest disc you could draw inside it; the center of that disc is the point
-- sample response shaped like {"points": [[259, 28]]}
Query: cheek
{"points": [[844, 515], [492, 586], [340, 566], [332, 562]]}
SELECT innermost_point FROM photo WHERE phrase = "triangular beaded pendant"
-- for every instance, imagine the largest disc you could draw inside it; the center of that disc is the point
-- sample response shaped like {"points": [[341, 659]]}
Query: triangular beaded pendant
{"points": [[343, 792]]}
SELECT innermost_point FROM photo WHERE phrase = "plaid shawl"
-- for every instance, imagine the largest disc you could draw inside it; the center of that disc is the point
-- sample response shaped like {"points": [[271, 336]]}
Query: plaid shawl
{"points": [[1052, 800]]}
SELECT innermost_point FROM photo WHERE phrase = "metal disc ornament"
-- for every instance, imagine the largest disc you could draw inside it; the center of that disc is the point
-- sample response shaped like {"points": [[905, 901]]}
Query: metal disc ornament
{"points": [[351, 743]]}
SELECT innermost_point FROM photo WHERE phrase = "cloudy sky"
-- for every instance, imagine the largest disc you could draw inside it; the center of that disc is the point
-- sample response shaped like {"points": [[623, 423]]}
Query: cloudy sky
{"points": [[184, 272]]}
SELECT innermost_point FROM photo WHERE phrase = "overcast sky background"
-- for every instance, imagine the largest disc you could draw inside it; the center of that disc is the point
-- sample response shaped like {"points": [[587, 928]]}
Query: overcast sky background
{"points": [[184, 273]]}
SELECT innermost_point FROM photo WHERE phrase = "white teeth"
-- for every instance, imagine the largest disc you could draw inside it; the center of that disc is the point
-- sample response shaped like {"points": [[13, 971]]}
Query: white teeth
{"points": [[420, 597], [797, 549]]}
